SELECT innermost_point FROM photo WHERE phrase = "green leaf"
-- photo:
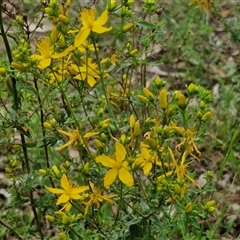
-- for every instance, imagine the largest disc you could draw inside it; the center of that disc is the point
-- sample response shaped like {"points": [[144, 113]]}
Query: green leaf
{"points": [[146, 25]]}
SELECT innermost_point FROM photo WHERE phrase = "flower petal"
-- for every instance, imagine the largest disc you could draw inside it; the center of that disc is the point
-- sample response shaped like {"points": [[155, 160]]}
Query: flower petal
{"points": [[44, 63], [102, 19], [65, 183], [100, 29], [120, 152], [79, 189], [65, 145], [106, 161], [91, 81], [81, 36], [63, 199], [126, 177], [147, 168], [64, 53], [110, 177], [55, 190]]}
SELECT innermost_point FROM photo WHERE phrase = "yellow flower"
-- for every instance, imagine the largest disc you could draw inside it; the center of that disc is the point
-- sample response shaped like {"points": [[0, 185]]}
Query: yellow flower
{"points": [[86, 46], [181, 168], [118, 167], [188, 141], [68, 192], [90, 24], [87, 72], [74, 136], [205, 4], [146, 160], [96, 198], [45, 49]]}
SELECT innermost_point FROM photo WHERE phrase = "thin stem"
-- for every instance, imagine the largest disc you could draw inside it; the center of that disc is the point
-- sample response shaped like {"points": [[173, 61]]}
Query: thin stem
{"points": [[6, 225], [9, 54]]}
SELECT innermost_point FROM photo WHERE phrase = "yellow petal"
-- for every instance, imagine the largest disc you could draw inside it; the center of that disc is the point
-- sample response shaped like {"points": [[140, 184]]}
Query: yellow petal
{"points": [[44, 63], [88, 16], [91, 81], [90, 134], [102, 19], [147, 168], [120, 152], [63, 199], [64, 133], [126, 177], [65, 183], [79, 189], [106, 161], [81, 36], [75, 196], [67, 144], [110, 177], [100, 29], [55, 190], [64, 53]]}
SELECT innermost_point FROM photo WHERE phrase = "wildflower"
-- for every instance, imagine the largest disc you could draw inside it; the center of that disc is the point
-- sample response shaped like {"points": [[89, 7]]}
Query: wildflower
{"points": [[74, 137], [205, 4], [180, 169], [86, 46], [113, 59], [146, 160], [87, 72], [90, 24], [188, 141], [68, 192], [45, 49], [96, 198], [118, 167]]}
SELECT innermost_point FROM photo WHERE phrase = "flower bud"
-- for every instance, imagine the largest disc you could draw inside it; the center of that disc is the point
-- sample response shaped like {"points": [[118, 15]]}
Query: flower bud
{"points": [[63, 18], [206, 116], [54, 35], [189, 207], [8, 170], [48, 10], [142, 99], [55, 170], [210, 203], [182, 103], [62, 236], [47, 125], [163, 99], [50, 218], [86, 168], [148, 94], [53, 122], [3, 71], [18, 66], [159, 82], [42, 171], [127, 27], [136, 131], [132, 121], [133, 52], [98, 144]]}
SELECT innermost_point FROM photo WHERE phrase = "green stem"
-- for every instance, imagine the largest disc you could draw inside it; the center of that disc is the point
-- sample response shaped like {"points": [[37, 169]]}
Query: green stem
{"points": [[103, 85], [9, 54], [6, 225], [234, 138]]}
